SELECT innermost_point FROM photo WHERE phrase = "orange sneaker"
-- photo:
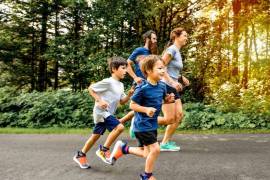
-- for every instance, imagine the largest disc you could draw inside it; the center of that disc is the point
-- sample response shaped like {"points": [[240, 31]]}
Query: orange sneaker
{"points": [[118, 151], [104, 155], [81, 160]]}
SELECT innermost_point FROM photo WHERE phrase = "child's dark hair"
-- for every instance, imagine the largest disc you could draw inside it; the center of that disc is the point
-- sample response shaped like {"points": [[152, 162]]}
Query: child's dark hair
{"points": [[147, 34], [115, 62], [149, 62]]}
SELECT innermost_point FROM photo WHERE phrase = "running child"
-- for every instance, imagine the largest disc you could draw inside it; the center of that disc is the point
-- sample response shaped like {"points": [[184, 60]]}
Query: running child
{"points": [[107, 93], [146, 103]]}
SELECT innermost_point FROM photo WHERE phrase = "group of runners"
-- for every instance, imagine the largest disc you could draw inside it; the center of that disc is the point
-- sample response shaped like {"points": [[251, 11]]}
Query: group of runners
{"points": [[157, 84]]}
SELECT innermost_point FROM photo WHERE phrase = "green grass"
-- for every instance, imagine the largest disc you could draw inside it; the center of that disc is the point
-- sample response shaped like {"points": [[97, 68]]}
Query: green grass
{"points": [[88, 131]]}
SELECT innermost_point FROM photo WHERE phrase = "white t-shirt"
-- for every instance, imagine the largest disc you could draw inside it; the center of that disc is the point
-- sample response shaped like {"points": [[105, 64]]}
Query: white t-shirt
{"points": [[111, 91]]}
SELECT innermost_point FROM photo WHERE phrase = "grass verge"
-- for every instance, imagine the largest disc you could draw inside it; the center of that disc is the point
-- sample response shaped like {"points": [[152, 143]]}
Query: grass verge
{"points": [[88, 131]]}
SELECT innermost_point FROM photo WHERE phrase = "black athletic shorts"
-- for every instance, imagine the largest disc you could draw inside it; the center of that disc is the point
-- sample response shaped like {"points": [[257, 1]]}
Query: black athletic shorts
{"points": [[170, 90], [146, 138]]}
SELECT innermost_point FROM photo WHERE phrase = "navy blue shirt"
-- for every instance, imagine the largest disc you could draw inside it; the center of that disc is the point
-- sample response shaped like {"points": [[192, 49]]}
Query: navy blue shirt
{"points": [[148, 95], [134, 57]]}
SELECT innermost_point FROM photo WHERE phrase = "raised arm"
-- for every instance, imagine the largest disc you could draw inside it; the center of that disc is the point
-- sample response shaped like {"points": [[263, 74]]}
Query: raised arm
{"points": [[127, 98], [132, 73]]}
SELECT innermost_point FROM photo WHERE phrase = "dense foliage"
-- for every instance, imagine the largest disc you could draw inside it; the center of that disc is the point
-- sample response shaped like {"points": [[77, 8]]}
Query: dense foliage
{"points": [[49, 45], [68, 109]]}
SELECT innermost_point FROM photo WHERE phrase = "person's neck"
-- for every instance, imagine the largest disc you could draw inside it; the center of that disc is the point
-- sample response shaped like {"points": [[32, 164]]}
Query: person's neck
{"points": [[177, 44], [115, 77], [151, 81], [146, 46]]}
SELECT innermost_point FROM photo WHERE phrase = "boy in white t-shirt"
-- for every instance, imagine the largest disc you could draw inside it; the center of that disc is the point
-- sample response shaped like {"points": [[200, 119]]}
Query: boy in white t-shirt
{"points": [[107, 93]]}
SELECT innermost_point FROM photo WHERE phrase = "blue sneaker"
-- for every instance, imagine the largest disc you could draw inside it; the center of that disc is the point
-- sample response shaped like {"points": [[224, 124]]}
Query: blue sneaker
{"points": [[169, 146], [131, 132], [143, 177]]}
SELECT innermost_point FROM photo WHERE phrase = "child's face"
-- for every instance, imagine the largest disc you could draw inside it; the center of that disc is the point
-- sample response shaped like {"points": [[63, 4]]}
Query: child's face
{"points": [[158, 71], [120, 72]]}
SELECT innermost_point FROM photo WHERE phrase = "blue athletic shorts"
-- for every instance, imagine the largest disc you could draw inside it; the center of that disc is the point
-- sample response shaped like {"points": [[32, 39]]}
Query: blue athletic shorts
{"points": [[109, 123]]}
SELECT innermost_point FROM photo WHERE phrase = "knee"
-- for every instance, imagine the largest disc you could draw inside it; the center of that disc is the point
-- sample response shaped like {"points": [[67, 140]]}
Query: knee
{"points": [[179, 117], [170, 119], [120, 127], [145, 154], [156, 151]]}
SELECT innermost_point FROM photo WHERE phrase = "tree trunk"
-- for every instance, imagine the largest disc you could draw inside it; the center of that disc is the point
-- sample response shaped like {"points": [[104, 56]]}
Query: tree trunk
{"points": [[121, 35], [246, 60], [56, 28], [33, 64], [42, 74], [236, 23], [76, 61], [254, 40], [267, 39], [219, 40]]}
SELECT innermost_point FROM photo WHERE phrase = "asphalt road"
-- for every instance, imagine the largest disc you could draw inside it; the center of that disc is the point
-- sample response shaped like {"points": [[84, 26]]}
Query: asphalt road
{"points": [[202, 157]]}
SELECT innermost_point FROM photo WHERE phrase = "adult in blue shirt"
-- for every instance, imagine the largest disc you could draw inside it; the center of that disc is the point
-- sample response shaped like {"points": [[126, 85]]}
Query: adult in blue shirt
{"points": [[150, 47]]}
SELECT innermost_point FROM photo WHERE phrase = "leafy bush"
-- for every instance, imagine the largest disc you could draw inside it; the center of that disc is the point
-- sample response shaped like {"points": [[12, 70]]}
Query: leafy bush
{"points": [[74, 110], [58, 108], [199, 116]]}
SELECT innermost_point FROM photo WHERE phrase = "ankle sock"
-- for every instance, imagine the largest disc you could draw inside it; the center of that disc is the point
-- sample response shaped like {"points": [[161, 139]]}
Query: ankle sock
{"points": [[103, 148], [148, 175], [125, 149], [80, 153]]}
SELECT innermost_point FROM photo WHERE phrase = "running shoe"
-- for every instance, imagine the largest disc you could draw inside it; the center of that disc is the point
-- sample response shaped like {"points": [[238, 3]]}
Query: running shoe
{"points": [[81, 160]]}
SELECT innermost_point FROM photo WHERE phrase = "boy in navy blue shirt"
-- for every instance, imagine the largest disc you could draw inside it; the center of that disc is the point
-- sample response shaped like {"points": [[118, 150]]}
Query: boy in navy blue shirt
{"points": [[146, 102]]}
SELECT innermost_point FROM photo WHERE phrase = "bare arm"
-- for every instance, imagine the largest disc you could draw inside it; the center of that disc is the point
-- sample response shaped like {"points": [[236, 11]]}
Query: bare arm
{"points": [[166, 58], [150, 111], [131, 72], [127, 117], [185, 81], [101, 103], [126, 99]]}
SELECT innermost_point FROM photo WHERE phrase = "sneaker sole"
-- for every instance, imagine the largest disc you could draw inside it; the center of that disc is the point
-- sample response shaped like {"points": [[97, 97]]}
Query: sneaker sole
{"points": [[82, 167], [169, 150], [103, 159]]}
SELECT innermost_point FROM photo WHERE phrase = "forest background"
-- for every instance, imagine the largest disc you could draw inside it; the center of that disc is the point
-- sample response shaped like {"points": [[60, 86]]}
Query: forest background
{"points": [[51, 50]]}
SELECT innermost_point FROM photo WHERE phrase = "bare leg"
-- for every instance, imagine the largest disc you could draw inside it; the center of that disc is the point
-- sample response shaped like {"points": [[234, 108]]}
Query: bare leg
{"points": [[170, 130], [168, 114], [90, 142], [151, 157], [113, 135], [138, 151]]}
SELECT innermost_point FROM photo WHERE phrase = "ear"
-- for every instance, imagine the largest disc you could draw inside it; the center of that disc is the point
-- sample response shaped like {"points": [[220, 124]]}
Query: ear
{"points": [[148, 71], [114, 69]]}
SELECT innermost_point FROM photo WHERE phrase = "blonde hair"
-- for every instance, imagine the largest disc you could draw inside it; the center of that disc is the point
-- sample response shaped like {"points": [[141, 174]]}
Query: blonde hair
{"points": [[148, 63]]}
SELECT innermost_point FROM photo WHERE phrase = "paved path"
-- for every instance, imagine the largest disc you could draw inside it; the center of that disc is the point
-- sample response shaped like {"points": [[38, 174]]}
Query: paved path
{"points": [[202, 157]]}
